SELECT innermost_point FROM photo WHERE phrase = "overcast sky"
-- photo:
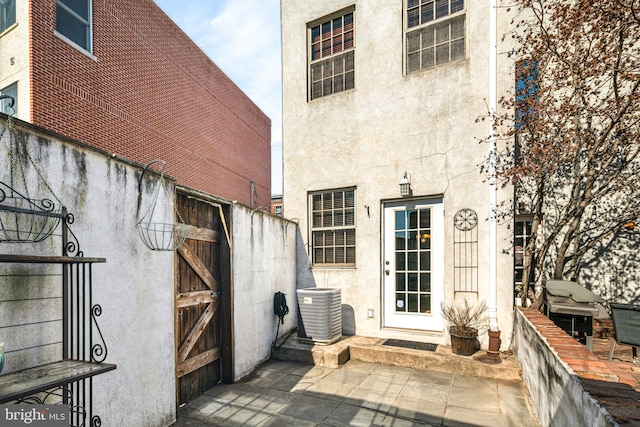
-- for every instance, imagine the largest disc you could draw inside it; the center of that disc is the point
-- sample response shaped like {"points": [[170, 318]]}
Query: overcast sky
{"points": [[243, 39]]}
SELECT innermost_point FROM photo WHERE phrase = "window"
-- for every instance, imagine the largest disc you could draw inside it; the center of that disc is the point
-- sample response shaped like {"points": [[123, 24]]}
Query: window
{"points": [[7, 14], [333, 227], [526, 92], [278, 210], [521, 237], [5, 104], [73, 20], [331, 54], [435, 33]]}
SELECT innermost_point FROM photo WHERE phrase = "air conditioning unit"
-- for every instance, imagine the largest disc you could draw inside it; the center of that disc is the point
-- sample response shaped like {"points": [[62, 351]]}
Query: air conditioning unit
{"points": [[319, 315]]}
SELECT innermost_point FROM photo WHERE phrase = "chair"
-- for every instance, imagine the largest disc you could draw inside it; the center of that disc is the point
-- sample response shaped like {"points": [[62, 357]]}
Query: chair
{"points": [[626, 324]]}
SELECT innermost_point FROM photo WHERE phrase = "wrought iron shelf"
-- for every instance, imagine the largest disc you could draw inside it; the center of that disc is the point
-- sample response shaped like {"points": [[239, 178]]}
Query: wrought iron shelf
{"points": [[35, 259], [17, 385]]}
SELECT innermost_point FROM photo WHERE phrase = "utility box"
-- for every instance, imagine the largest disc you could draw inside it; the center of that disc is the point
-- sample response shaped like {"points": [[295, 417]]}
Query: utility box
{"points": [[319, 315]]}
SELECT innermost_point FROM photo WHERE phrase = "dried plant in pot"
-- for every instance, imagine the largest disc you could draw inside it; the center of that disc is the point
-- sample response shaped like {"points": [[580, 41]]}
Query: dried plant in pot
{"points": [[465, 320]]}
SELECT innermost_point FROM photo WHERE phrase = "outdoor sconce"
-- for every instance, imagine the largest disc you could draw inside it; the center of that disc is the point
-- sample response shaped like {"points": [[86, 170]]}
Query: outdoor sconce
{"points": [[405, 185]]}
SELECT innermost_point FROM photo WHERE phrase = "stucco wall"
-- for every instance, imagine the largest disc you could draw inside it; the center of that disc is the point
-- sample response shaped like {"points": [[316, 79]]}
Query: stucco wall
{"points": [[134, 287], [423, 123], [556, 394], [14, 66], [263, 264]]}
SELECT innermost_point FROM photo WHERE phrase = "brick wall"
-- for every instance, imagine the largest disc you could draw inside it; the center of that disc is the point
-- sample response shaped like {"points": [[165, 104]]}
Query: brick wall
{"points": [[149, 93]]}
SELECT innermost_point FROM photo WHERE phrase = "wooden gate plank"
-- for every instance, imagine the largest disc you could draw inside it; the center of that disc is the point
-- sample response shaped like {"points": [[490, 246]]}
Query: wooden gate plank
{"points": [[198, 361], [195, 332], [203, 234], [192, 259], [186, 299]]}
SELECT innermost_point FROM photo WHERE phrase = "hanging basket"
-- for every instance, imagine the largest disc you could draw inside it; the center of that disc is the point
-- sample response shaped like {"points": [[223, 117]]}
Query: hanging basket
{"points": [[160, 236], [25, 220]]}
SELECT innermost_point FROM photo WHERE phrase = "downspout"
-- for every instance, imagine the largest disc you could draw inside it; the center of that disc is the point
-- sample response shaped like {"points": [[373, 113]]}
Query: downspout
{"points": [[493, 237]]}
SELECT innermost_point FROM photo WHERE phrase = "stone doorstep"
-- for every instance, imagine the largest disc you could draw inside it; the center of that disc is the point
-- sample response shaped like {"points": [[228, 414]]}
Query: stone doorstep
{"points": [[367, 349]]}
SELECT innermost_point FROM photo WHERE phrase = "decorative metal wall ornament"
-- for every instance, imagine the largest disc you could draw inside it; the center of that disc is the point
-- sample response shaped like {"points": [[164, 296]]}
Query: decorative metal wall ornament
{"points": [[465, 251], [160, 236], [24, 219]]}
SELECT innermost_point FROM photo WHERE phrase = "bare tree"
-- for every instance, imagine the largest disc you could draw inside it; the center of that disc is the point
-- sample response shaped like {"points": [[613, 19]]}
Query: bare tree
{"points": [[570, 134]]}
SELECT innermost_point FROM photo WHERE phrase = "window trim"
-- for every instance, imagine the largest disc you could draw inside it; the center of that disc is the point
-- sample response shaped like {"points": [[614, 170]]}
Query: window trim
{"points": [[524, 218], [312, 229], [344, 53], [421, 27], [14, 23], [15, 98], [88, 22]]}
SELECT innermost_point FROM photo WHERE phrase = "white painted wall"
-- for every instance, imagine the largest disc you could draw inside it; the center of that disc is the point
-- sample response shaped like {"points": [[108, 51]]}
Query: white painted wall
{"points": [[423, 123], [14, 59], [557, 396], [135, 287], [263, 263]]}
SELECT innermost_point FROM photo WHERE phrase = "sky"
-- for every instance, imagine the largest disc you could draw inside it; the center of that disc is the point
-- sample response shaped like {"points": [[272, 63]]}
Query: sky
{"points": [[243, 40]]}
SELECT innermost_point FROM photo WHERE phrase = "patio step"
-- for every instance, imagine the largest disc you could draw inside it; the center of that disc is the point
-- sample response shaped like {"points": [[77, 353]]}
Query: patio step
{"points": [[368, 349]]}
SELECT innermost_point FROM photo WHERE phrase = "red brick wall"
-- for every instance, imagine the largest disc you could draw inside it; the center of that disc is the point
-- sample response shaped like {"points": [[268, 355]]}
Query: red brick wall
{"points": [[150, 93]]}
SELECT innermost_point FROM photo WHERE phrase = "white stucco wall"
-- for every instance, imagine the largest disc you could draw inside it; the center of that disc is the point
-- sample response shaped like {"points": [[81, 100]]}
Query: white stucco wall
{"points": [[557, 396], [263, 263], [14, 59], [135, 287], [423, 123]]}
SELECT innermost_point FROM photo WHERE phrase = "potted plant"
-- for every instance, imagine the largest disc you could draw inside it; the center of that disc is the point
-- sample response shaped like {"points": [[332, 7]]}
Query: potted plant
{"points": [[464, 322]]}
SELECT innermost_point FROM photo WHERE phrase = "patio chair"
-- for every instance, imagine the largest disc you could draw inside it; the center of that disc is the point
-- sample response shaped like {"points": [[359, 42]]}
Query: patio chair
{"points": [[626, 324]]}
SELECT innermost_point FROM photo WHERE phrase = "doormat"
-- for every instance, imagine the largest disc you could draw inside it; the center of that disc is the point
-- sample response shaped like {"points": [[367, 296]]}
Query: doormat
{"points": [[411, 344]]}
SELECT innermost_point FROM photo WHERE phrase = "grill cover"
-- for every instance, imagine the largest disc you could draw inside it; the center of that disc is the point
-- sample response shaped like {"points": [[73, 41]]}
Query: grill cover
{"points": [[567, 297]]}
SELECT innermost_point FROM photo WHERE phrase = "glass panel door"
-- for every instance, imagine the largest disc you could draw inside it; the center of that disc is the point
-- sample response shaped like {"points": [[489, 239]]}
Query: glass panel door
{"points": [[413, 270]]}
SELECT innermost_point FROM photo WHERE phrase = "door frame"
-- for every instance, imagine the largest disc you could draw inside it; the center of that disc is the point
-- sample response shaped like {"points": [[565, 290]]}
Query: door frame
{"points": [[436, 322]]}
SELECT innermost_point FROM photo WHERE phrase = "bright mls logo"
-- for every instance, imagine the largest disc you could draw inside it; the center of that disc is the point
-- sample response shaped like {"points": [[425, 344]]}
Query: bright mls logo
{"points": [[34, 415]]}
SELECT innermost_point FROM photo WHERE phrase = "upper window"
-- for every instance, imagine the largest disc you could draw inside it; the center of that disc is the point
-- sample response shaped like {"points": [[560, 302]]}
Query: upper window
{"points": [[526, 92], [435, 33], [73, 20], [331, 53], [333, 227], [5, 103], [7, 14]]}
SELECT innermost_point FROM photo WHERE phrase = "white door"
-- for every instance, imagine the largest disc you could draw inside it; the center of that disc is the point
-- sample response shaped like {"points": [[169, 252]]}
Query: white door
{"points": [[413, 264]]}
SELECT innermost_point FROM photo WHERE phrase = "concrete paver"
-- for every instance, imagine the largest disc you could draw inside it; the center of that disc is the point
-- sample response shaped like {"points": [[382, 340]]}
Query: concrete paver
{"points": [[282, 393]]}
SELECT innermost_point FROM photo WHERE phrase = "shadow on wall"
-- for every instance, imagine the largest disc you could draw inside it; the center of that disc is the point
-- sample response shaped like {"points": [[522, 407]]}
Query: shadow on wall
{"points": [[305, 280], [612, 271], [348, 320]]}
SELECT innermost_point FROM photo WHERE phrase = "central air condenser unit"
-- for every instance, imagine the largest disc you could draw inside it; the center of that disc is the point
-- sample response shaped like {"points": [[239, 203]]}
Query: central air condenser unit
{"points": [[319, 315]]}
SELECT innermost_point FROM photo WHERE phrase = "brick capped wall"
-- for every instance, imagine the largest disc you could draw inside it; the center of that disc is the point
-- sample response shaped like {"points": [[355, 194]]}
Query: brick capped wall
{"points": [[148, 92]]}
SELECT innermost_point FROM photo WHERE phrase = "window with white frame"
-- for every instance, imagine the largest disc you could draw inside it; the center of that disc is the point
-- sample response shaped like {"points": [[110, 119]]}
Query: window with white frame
{"points": [[7, 14], [435, 33], [331, 55], [73, 20], [5, 103], [521, 238], [333, 227]]}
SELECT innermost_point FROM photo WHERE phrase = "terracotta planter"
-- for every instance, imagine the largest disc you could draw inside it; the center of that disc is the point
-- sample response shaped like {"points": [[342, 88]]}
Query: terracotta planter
{"points": [[494, 343], [463, 342]]}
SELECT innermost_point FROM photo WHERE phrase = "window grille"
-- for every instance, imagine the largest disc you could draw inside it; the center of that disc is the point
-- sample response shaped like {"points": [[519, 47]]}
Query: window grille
{"points": [[435, 33], [333, 231], [331, 66]]}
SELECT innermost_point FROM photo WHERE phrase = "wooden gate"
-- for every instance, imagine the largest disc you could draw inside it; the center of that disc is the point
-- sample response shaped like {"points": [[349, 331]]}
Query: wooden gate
{"points": [[198, 297]]}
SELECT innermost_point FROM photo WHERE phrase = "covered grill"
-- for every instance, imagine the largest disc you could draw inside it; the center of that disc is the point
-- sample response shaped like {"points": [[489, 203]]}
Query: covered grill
{"points": [[572, 307]]}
